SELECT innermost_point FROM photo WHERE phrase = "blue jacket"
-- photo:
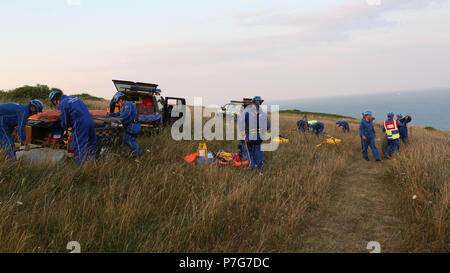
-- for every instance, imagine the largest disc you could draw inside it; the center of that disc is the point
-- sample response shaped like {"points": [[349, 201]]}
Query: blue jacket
{"points": [[317, 128], [73, 112], [12, 115], [254, 122], [403, 127], [366, 129], [344, 124], [128, 115], [302, 125]]}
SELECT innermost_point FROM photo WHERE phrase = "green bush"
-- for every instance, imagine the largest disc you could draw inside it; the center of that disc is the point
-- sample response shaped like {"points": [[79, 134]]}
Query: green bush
{"points": [[28, 92]]}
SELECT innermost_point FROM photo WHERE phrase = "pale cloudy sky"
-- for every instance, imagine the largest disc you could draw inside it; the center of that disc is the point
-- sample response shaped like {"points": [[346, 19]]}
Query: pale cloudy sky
{"points": [[222, 50]]}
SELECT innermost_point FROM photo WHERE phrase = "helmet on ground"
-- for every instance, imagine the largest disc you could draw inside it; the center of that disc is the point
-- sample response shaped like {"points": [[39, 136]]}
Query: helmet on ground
{"points": [[257, 99], [390, 114], [399, 116], [53, 94], [118, 96], [38, 105]]}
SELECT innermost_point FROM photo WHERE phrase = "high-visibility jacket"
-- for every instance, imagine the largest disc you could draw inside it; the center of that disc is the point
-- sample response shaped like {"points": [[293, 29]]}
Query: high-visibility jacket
{"points": [[312, 122], [255, 123], [391, 128]]}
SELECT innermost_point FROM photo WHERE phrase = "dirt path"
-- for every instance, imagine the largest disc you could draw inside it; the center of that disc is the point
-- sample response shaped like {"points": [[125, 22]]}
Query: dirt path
{"points": [[359, 211]]}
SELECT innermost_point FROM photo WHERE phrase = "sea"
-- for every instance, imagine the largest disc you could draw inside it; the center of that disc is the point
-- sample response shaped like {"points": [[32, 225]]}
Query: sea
{"points": [[427, 107]]}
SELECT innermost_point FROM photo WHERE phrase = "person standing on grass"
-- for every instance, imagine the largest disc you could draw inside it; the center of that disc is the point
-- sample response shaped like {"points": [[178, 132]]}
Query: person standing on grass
{"points": [[403, 127], [390, 127], [75, 115], [254, 123], [345, 126], [302, 125], [129, 117], [16, 115], [367, 133]]}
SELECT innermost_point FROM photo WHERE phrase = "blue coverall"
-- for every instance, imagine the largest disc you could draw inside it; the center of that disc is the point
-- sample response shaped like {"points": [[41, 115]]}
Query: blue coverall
{"points": [[317, 128], [393, 145], [132, 126], [403, 128], [12, 115], [302, 126], [345, 126], [255, 124], [75, 114], [366, 129]]}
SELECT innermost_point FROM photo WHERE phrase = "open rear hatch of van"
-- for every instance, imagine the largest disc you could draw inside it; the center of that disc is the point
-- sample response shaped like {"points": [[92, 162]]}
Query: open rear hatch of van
{"points": [[132, 87]]}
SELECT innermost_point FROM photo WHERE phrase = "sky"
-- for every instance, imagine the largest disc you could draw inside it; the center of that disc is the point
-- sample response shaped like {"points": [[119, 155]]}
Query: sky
{"points": [[229, 49]]}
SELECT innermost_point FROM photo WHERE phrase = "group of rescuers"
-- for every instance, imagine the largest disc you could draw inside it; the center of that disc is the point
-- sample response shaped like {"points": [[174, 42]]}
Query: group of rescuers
{"points": [[253, 123], [395, 130], [75, 115]]}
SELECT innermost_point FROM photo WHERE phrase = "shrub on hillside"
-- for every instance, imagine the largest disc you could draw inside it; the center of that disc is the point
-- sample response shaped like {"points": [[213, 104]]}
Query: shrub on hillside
{"points": [[30, 92], [85, 96]]}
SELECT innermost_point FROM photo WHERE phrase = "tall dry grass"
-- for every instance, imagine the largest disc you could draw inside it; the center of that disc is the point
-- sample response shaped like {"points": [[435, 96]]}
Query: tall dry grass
{"points": [[162, 204], [421, 173]]}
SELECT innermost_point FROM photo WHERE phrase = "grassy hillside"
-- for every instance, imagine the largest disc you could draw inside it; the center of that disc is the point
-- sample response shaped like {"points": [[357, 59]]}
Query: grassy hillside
{"points": [[163, 204], [25, 93], [302, 113]]}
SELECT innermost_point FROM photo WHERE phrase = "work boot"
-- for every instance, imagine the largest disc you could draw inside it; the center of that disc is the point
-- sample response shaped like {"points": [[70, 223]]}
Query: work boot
{"points": [[366, 158]]}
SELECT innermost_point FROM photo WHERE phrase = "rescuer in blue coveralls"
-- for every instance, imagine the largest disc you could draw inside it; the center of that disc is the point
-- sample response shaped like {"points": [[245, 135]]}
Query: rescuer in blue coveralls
{"points": [[254, 123], [129, 117], [16, 115], [75, 115], [390, 127], [345, 126], [367, 133], [403, 127], [317, 128], [302, 125]]}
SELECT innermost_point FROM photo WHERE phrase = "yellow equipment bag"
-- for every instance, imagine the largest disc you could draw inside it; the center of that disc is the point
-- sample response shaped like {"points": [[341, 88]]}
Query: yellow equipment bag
{"points": [[202, 150], [331, 141], [334, 141], [280, 140]]}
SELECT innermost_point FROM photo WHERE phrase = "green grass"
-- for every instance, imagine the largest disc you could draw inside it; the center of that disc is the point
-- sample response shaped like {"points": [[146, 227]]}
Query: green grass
{"points": [[301, 113]]}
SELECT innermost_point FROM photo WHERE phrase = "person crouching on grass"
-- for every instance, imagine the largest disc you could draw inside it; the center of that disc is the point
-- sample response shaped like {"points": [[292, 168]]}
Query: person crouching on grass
{"points": [[128, 116]]}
